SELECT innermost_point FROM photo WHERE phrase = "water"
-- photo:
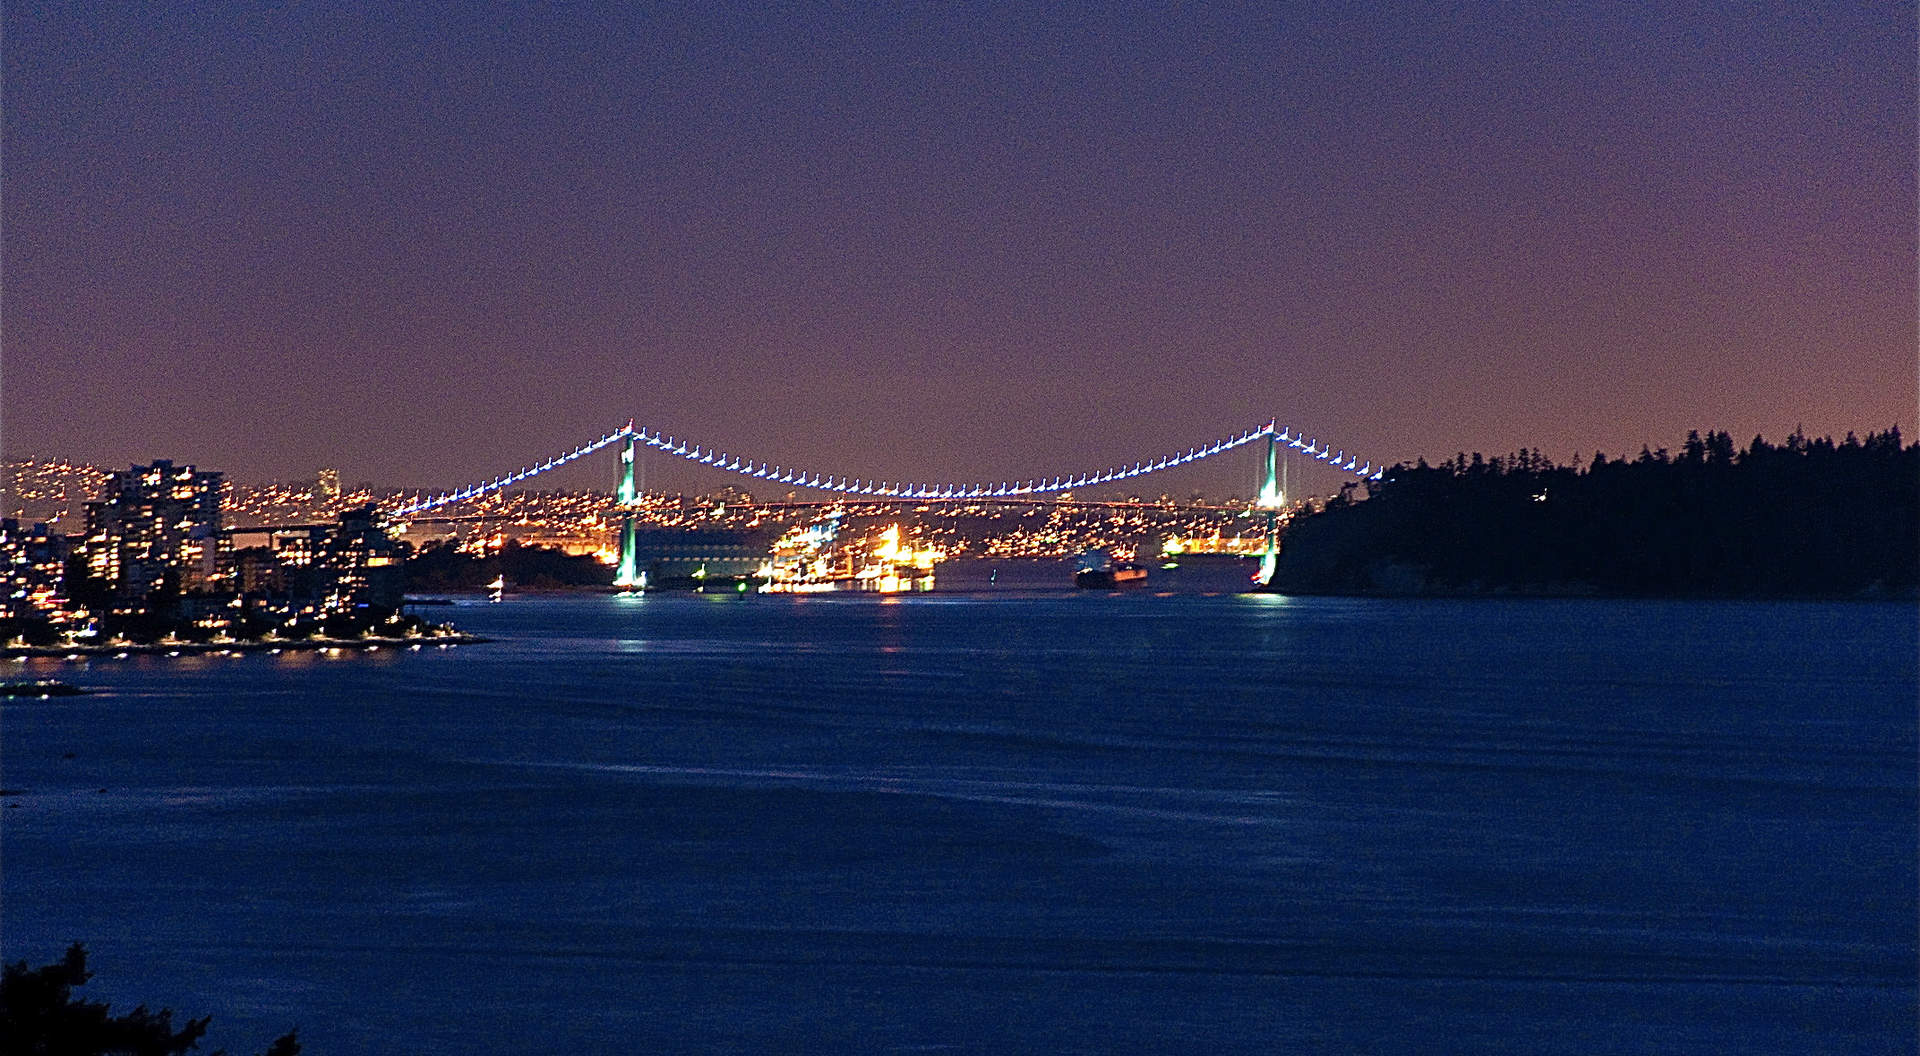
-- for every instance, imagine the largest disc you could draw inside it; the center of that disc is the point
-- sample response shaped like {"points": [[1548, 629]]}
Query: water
{"points": [[1025, 821]]}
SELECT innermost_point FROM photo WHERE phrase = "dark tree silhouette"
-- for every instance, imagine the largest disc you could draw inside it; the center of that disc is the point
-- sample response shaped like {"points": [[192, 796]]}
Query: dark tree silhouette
{"points": [[442, 566], [1809, 518], [40, 1016]]}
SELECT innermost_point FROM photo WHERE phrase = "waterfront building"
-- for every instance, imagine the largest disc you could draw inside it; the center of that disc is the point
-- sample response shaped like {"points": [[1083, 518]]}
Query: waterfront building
{"points": [[257, 571], [33, 564], [299, 547], [360, 564], [155, 525]]}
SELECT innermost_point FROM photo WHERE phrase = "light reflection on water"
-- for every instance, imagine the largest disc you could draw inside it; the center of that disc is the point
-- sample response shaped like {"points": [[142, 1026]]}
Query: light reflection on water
{"points": [[1122, 821]]}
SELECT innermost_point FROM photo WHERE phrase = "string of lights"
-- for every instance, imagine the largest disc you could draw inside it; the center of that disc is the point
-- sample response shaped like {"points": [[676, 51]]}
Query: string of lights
{"points": [[474, 491], [760, 470]]}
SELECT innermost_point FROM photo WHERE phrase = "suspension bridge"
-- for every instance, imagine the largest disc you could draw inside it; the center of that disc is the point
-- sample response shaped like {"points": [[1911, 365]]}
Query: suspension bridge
{"points": [[633, 438]]}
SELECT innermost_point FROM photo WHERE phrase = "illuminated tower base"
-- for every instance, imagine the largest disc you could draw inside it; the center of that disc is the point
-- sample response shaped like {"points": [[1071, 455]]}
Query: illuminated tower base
{"points": [[628, 575], [1271, 499]]}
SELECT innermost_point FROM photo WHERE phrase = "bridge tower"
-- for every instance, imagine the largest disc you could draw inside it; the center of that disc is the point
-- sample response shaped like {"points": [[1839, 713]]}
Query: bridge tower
{"points": [[1272, 499], [628, 499]]}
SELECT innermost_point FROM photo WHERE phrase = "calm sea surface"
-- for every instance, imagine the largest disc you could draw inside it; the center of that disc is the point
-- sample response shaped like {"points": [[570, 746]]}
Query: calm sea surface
{"points": [[1039, 821]]}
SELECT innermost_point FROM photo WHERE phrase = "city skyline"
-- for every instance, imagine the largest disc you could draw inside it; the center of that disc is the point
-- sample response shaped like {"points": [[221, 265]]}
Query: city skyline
{"points": [[947, 244]]}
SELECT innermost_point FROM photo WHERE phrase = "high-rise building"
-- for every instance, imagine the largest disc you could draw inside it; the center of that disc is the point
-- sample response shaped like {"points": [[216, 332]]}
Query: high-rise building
{"points": [[327, 488], [360, 563], [155, 525], [32, 567]]}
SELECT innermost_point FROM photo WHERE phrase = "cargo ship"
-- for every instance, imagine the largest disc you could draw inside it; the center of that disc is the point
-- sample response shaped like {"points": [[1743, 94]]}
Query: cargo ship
{"points": [[814, 558], [1097, 570]]}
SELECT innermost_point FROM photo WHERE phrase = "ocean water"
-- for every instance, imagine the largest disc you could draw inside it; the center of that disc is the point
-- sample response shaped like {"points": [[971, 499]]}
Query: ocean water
{"points": [[1002, 821]]}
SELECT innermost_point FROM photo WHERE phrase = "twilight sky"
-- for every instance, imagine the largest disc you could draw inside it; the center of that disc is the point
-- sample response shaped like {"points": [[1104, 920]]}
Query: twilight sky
{"points": [[429, 243]]}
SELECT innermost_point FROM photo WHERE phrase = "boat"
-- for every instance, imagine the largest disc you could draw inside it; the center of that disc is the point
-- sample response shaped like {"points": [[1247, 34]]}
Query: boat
{"points": [[1123, 574], [893, 566], [1097, 570], [814, 558]]}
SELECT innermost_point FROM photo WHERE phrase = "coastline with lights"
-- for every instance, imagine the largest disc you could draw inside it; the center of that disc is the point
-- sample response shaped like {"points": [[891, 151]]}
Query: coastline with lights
{"points": [[444, 638]]}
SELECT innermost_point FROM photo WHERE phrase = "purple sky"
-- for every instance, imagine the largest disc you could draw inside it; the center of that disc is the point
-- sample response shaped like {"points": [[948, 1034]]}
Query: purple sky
{"points": [[964, 241]]}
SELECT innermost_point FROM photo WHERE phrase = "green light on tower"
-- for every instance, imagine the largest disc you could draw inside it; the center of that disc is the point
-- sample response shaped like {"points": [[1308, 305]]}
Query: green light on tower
{"points": [[627, 496], [628, 576], [1271, 500]]}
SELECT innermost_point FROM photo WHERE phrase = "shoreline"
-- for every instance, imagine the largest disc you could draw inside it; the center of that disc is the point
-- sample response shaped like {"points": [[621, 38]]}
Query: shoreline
{"points": [[1903, 596], [292, 645]]}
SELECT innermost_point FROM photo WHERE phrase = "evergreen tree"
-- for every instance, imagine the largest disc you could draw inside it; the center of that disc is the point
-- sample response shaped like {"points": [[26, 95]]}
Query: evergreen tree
{"points": [[40, 1016]]}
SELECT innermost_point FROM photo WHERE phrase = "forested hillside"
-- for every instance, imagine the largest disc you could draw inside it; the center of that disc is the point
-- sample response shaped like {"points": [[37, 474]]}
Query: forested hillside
{"points": [[1811, 518]]}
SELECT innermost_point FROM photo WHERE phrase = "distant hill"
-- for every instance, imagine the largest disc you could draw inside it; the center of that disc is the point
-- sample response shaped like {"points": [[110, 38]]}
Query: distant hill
{"points": [[1806, 518]]}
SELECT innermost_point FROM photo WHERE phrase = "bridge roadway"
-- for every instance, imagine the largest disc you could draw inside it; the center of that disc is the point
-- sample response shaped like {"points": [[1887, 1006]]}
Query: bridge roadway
{"points": [[613, 510]]}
